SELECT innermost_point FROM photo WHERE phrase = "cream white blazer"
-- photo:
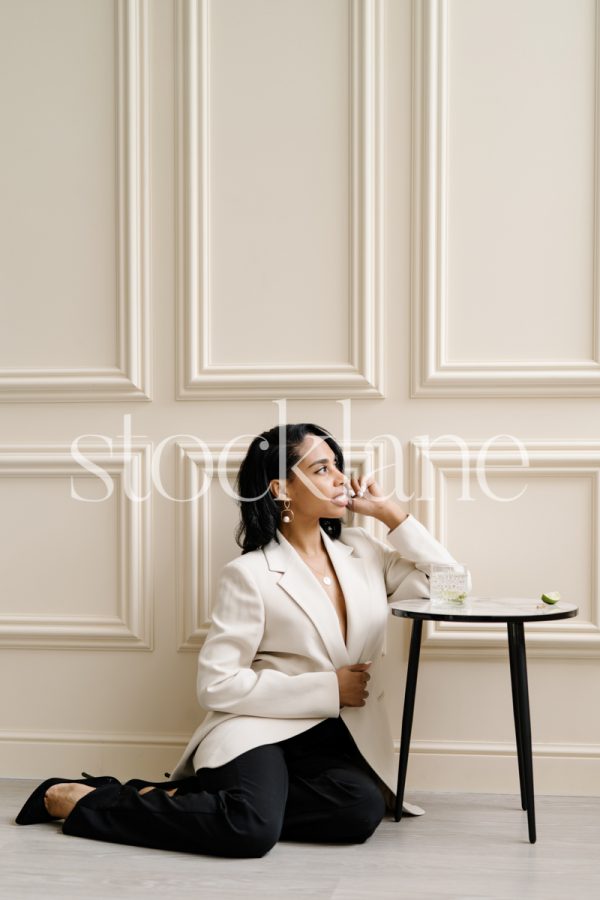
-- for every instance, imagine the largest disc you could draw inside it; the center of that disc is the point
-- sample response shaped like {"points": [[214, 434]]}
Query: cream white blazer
{"points": [[267, 669]]}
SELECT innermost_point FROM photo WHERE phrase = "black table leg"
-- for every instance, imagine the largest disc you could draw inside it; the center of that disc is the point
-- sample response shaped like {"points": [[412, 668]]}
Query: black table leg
{"points": [[517, 637], [517, 715], [407, 714]]}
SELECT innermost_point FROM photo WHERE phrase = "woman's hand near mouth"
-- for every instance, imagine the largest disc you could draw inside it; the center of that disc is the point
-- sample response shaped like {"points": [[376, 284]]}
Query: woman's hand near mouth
{"points": [[369, 500]]}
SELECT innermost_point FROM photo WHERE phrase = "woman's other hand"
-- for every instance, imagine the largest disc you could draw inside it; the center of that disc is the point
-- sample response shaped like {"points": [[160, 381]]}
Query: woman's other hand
{"points": [[352, 681], [369, 500]]}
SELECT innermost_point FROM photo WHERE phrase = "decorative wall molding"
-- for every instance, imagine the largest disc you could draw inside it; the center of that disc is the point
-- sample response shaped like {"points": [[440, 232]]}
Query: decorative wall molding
{"points": [[195, 533], [197, 376], [491, 767], [433, 375], [430, 469], [96, 738], [32, 754], [130, 378], [480, 766], [498, 748], [131, 629]]}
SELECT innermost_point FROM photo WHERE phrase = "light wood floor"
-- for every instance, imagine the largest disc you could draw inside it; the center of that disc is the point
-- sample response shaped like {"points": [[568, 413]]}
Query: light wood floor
{"points": [[466, 846]]}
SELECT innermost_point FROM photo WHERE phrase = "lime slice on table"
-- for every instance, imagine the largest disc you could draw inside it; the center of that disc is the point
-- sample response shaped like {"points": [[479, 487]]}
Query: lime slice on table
{"points": [[551, 597]]}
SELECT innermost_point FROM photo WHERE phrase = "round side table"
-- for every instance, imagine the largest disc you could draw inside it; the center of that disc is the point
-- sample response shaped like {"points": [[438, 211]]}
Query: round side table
{"points": [[512, 611]]}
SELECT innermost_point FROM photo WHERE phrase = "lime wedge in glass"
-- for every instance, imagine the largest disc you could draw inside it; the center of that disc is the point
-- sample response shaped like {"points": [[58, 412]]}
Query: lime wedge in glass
{"points": [[551, 597]]}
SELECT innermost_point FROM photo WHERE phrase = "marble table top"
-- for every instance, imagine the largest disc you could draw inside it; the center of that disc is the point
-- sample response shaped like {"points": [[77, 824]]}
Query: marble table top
{"points": [[485, 609]]}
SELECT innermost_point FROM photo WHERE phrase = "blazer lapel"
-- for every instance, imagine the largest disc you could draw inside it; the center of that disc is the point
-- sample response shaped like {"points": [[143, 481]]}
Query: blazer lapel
{"points": [[299, 583], [352, 576]]}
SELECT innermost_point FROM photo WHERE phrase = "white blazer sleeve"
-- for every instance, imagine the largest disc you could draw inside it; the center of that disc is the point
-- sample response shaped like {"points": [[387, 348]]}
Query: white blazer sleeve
{"points": [[226, 680], [408, 562]]}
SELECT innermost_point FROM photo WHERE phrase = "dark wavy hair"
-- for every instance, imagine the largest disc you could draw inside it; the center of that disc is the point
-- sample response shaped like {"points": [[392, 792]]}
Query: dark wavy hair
{"points": [[260, 512]]}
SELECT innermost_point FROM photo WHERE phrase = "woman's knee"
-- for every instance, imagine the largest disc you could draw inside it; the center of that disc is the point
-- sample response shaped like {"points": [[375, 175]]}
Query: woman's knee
{"points": [[362, 818], [258, 842], [246, 827], [249, 795], [248, 842]]}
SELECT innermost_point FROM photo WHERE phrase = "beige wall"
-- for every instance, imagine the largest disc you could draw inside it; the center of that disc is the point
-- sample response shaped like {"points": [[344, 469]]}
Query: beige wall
{"points": [[212, 205]]}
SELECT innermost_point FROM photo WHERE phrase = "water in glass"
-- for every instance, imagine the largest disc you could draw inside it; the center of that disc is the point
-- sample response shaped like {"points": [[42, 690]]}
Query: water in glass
{"points": [[448, 585]]}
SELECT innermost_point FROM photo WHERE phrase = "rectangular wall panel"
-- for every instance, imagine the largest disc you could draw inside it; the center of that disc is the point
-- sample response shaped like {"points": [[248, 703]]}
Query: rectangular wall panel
{"points": [[75, 551], [280, 168], [280, 203], [74, 227], [527, 516], [58, 176], [505, 289], [521, 93], [76, 570]]}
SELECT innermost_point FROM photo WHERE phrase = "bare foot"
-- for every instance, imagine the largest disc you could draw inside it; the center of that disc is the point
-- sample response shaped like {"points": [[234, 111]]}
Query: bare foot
{"points": [[150, 788], [60, 799]]}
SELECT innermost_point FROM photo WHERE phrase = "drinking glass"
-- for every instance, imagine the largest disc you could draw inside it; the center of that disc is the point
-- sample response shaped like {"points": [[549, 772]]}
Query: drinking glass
{"points": [[448, 585]]}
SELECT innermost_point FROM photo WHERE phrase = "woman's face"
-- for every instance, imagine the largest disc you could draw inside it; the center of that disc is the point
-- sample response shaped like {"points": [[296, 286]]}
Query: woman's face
{"points": [[317, 486]]}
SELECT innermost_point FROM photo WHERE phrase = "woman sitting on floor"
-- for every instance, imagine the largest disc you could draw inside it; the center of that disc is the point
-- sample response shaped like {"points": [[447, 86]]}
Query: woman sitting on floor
{"points": [[296, 744]]}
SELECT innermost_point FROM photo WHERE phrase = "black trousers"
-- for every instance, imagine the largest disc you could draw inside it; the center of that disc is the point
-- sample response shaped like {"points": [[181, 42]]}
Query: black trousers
{"points": [[313, 787]]}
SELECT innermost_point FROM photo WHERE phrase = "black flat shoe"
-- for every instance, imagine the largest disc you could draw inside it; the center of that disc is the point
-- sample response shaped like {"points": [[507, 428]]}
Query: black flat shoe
{"points": [[34, 810]]}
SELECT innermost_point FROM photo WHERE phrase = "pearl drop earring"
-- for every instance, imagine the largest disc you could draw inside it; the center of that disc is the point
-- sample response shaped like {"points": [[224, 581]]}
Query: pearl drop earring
{"points": [[287, 514]]}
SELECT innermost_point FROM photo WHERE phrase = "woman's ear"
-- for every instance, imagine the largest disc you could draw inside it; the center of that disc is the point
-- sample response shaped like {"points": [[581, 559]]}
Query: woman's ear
{"points": [[277, 489]]}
